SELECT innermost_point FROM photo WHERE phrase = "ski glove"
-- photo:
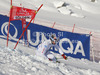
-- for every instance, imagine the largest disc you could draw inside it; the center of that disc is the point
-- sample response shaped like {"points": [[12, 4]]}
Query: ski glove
{"points": [[64, 56]]}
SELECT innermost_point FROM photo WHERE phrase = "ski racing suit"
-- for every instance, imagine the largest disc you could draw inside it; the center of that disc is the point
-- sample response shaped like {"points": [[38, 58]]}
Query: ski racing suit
{"points": [[44, 50]]}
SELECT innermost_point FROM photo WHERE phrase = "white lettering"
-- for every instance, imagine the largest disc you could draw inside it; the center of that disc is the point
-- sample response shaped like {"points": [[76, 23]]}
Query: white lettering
{"points": [[69, 49], [79, 48], [37, 39], [4, 28], [43, 38]]}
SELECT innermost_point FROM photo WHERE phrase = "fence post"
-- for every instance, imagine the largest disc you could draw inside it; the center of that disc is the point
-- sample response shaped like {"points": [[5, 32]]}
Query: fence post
{"points": [[73, 28], [53, 24], [91, 39], [9, 23]]}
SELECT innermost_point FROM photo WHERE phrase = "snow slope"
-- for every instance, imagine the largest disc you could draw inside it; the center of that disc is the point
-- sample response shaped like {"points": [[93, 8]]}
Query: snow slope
{"points": [[83, 13], [19, 62], [23, 61]]}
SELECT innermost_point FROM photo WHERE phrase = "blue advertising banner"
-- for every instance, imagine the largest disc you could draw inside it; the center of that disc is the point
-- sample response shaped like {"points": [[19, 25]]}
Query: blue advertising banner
{"points": [[73, 44]]}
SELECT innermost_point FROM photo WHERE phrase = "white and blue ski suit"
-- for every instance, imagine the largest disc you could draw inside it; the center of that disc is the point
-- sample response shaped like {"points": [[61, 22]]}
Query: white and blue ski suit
{"points": [[44, 50]]}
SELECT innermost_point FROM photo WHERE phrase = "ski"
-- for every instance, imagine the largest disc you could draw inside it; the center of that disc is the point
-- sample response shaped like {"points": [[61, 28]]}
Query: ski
{"points": [[58, 61]]}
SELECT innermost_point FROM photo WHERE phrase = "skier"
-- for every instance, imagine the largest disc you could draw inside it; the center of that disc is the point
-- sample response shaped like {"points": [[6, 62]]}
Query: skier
{"points": [[44, 49]]}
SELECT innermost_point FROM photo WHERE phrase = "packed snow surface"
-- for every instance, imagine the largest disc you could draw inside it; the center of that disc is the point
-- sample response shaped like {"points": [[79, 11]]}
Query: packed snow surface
{"points": [[23, 61], [17, 62]]}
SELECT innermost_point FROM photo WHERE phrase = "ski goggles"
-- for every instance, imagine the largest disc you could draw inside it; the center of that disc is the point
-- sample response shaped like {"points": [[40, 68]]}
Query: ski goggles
{"points": [[54, 40]]}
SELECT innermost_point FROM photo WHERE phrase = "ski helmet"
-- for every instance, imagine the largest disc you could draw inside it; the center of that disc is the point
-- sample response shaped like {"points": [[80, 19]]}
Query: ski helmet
{"points": [[53, 38]]}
